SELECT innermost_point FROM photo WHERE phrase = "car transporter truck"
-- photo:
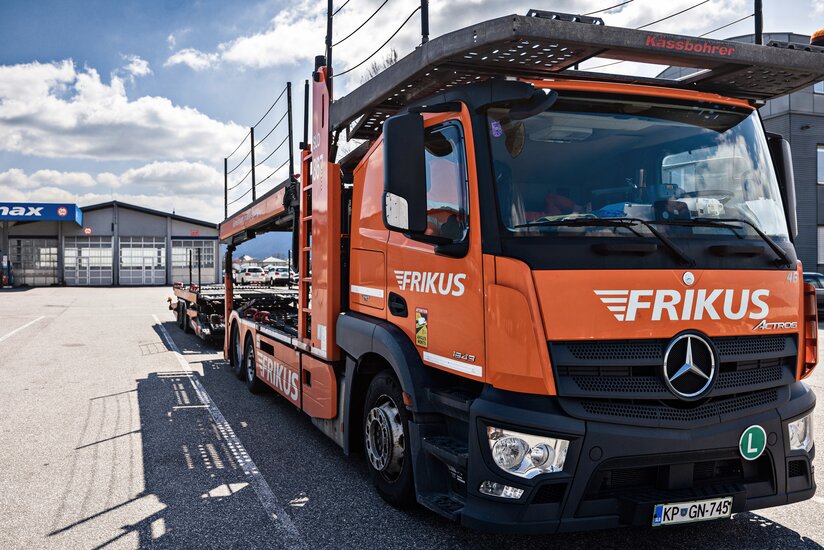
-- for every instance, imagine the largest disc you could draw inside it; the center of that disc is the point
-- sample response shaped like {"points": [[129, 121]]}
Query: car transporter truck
{"points": [[541, 299]]}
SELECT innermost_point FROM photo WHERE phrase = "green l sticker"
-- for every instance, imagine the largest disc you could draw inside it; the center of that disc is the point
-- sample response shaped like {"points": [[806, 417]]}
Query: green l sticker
{"points": [[753, 442]]}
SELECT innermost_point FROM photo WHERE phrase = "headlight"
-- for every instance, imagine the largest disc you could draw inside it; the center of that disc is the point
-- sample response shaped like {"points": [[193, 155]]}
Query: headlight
{"points": [[801, 433], [526, 455]]}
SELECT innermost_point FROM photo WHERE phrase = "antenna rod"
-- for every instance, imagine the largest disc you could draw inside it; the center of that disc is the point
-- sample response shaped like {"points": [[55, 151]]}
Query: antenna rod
{"points": [[305, 144]]}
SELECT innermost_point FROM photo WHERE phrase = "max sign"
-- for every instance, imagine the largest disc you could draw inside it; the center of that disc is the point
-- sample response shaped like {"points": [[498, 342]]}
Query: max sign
{"points": [[18, 211]]}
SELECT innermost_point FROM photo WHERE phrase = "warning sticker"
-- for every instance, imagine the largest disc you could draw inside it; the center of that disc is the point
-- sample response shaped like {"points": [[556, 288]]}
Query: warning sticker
{"points": [[421, 327]]}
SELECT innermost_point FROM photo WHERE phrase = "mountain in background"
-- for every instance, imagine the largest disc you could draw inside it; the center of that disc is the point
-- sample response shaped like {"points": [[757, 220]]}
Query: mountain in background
{"points": [[269, 244]]}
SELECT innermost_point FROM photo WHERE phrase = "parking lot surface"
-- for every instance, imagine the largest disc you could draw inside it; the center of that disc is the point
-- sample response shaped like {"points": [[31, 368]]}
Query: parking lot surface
{"points": [[118, 430]]}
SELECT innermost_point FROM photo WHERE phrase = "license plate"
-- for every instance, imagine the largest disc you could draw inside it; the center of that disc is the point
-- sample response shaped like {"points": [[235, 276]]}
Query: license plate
{"points": [[688, 512]]}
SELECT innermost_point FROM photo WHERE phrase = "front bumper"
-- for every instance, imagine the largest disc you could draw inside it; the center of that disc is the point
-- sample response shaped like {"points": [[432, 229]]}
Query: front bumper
{"points": [[616, 473]]}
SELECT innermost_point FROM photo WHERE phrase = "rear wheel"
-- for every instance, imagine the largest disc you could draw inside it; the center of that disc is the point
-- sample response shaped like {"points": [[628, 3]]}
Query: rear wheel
{"points": [[236, 352], [252, 381], [386, 441], [185, 323]]}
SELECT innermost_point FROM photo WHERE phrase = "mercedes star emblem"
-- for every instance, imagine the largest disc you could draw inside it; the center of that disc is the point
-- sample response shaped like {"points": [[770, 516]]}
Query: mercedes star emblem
{"points": [[689, 366]]}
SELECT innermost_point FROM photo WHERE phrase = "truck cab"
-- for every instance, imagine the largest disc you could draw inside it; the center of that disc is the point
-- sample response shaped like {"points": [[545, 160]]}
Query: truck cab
{"points": [[606, 272]]}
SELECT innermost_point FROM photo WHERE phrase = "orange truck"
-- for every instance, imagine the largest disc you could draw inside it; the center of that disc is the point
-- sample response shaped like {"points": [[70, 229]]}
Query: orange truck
{"points": [[541, 299]]}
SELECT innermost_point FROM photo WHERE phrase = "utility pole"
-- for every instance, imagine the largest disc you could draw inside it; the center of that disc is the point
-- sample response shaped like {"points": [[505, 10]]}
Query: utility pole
{"points": [[252, 142]]}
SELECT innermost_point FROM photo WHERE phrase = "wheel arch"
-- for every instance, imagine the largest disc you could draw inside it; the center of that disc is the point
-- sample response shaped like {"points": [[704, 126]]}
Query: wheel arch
{"points": [[372, 345]]}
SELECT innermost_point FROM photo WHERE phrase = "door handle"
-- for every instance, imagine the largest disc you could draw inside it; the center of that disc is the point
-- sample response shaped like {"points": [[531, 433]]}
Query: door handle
{"points": [[397, 305]]}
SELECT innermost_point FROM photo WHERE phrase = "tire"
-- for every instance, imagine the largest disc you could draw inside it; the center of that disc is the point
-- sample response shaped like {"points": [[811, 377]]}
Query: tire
{"points": [[385, 431], [236, 352], [186, 324], [179, 315], [250, 368]]}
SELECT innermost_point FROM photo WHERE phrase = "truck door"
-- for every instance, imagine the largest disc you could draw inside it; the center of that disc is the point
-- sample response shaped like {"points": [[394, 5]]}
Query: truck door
{"points": [[434, 294]]}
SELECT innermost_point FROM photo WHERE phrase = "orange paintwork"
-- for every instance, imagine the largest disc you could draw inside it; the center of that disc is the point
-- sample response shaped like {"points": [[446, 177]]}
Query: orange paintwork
{"points": [[517, 353], [808, 360], [326, 228], [573, 311], [319, 388], [455, 323], [257, 214], [638, 90], [369, 236]]}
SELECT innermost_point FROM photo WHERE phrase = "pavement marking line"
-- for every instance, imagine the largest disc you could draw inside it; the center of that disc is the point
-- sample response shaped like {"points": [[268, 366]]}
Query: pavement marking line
{"points": [[819, 500], [284, 525], [18, 329]]}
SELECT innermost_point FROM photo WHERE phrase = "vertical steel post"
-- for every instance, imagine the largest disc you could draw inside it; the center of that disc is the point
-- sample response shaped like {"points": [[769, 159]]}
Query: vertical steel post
{"points": [[329, 9], [289, 121], [190, 267], [225, 188], [759, 22], [252, 141], [306, 115], [198, 267], [424, 21]]}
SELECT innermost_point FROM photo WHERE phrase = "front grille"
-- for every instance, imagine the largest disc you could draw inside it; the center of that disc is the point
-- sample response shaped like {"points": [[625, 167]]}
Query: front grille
{"points": [[667, 413], [548, 494], [616, 478], [630, 350], [624, 379], [797, 468]]}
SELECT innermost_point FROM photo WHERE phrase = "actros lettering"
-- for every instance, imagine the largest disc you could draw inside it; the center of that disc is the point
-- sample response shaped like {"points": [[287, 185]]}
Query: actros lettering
{"points": [[431, 282], [21, 211], [279, 376], [689, 305]]}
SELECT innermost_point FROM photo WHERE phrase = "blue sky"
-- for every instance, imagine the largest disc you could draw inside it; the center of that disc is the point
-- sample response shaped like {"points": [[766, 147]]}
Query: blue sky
{"points": [[141, 100]]}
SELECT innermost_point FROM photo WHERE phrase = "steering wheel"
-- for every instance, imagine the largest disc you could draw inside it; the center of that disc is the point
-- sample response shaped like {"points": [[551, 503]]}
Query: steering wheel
{"points": [[723, 195]]}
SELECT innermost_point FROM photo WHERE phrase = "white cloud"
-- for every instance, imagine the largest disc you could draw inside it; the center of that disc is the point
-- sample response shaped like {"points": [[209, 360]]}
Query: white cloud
{"points": [[818, 6], [194, 59], [136, 66], [56, 110], [171, 41], [190, 188]]}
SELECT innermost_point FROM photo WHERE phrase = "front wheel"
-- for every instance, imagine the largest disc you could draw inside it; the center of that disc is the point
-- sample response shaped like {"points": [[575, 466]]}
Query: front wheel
{"points": [[252, 381], [386, 441]]}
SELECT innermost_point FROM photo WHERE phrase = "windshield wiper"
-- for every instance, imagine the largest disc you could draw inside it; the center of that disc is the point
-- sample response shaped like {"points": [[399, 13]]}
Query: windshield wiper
{"points": [[725, 223], [628, 223]]}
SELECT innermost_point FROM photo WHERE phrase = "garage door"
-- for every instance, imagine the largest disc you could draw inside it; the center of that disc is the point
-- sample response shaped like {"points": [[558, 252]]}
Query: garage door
{"points": [[34, 261], [184, 250], [142, 261], [87, 261]]}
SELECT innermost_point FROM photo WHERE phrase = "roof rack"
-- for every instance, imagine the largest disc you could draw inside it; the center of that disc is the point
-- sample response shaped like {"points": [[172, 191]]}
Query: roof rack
{"points": [[545, 45]]}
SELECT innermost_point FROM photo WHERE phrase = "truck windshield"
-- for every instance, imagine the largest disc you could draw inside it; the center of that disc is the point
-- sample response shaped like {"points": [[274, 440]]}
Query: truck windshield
{"points": [[587, 158]]}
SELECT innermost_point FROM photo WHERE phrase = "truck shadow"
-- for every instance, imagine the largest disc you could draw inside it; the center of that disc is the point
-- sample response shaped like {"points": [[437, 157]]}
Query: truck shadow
{"points": [[204, 499]]}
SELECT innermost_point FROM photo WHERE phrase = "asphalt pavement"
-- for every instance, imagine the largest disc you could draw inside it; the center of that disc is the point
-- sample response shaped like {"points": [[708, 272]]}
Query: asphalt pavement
{"points": [[118, 430]]}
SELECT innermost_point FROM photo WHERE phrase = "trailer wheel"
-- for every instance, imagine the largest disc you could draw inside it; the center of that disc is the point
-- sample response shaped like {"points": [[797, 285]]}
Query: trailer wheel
{"points": [[179, 315], [250, 368], [236, 352], [386, 441]]}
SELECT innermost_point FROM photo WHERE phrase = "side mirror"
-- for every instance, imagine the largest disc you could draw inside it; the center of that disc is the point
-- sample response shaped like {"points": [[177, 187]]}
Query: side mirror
{"points": [[404, 174], [783, 161]]}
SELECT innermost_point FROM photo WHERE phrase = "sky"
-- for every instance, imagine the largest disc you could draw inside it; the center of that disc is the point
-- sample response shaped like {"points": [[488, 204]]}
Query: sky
{"points": [[141, 100]]}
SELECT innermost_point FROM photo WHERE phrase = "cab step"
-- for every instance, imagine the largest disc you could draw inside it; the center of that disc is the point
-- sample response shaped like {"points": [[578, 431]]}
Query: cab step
{"points": [[452, 403], [448, 450], [442, 504]]}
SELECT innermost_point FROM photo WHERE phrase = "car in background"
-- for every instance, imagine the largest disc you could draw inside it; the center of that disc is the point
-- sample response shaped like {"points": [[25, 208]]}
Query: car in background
{"points": [[278, 275], [251, 275], [817, 280]]}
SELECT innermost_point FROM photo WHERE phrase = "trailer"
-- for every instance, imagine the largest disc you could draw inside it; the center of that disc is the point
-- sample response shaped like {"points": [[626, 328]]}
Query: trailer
{"points": [[200, 309], [540, 299]]}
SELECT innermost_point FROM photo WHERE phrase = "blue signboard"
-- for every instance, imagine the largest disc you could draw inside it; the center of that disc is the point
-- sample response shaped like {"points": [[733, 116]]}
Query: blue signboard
{"points": [[39, 211]]}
